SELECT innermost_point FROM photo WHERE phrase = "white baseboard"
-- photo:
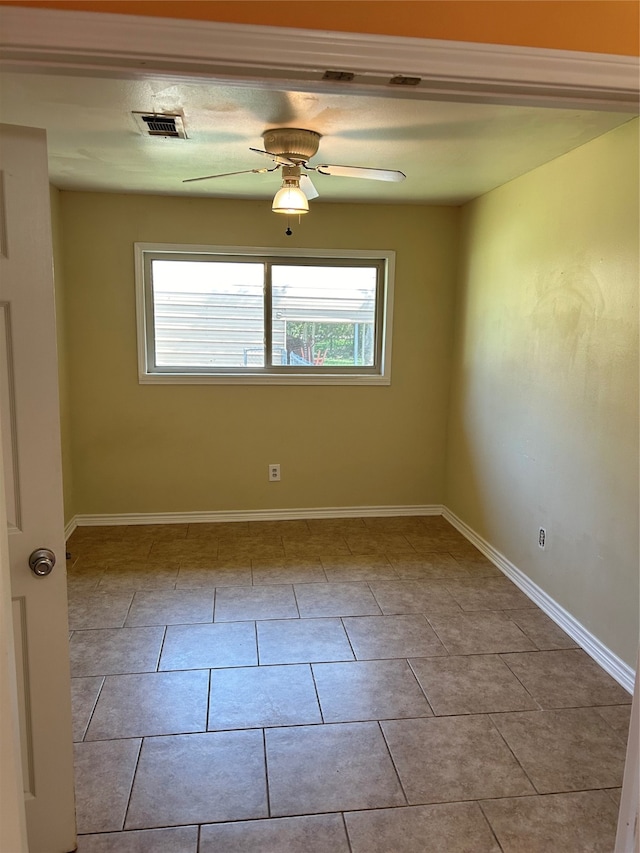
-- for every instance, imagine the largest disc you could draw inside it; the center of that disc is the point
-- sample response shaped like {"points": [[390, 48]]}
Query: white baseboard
{"points": [[601, 654], [70, 526], [86, 520]]}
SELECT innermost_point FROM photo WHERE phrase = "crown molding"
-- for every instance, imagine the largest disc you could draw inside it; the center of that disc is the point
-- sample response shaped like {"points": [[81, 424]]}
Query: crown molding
{"points": [[95, 43]]}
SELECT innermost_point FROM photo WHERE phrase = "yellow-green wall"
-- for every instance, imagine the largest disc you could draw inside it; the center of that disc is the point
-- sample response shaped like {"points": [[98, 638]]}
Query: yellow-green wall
{"points": [[63, 366], [543, 426], [170, 448]]}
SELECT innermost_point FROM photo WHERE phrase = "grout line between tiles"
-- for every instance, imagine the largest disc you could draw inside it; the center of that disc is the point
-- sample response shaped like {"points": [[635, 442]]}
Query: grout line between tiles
{"points": [[315, 685], [266, 772], [519, 763], [404, 793], [501, 655], [346, 832], [206, 719], [255, 634], [344, 628], [133, 780], [93, 708], [491, 830]]}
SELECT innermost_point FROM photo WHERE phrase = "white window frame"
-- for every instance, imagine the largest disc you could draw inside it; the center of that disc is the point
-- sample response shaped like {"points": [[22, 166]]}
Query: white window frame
{"points": [[148, 374]]}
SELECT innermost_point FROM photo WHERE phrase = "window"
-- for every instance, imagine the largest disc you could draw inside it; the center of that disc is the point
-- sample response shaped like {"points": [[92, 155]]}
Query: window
{"points": [[241, 315]]}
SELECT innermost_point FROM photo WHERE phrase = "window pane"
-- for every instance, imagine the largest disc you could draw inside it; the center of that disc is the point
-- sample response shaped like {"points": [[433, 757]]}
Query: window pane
{"points": [[323, 316], [208, 314]]}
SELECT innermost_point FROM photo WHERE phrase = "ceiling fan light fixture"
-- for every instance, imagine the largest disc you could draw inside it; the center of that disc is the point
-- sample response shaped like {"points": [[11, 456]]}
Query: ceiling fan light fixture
{"points": [[290, 200]]}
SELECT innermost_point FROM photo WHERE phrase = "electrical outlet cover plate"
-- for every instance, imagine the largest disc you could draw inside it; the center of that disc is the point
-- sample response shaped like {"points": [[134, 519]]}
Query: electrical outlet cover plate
{"points": [[274, 473]]}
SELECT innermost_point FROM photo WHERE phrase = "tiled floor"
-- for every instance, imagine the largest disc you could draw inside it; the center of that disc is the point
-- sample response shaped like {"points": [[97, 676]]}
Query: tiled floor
{"points": [[329, 686]]}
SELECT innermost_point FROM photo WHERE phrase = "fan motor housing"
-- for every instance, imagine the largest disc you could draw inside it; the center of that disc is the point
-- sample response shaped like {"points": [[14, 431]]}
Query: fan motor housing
{"points": [[291, 142]]}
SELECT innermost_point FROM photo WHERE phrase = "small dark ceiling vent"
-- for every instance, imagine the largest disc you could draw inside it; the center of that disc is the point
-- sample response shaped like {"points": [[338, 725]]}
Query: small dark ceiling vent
{"points": [[345, 76], [402, 80], [160, 124]]}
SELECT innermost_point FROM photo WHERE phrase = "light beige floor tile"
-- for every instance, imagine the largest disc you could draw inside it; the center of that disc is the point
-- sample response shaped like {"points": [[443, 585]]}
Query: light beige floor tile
{"points": [[133, 564], [308, 834], [470, 684], [103, 776], [193, 577], [217, 776], [368, 690], [209, 645], [428, 567], [181, 839], [476, 564], [83, 583], [295, 528], [84, 695], [218, 529], [325, 768], [541, 630], [566, 679], [335, 599], [351, 568], [403, 636], [378, 543], [156, 532], [250, 697], [250, 548], [302, 641], [413, 596], [488, 594], [616, 795], [479, 633], [435, 541], [143, 575], [98, 533], [315, 545], [185, 549], [111, 651], [385, 525], [288, 570], [618, 717], [572, 749], [447, 759], [85, 567], [108, 550], [98, 610], [242, 603], [335, 526], [151, 703], [171, 607], [444, 828], [582, 822]]}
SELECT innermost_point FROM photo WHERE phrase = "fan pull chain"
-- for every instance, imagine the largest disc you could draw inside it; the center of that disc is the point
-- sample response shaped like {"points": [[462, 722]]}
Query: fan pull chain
{"points": [[289, 232]]}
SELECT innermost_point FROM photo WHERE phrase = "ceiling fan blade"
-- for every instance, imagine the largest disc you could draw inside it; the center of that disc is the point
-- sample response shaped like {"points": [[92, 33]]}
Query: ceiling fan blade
{"points": [[229, 174], [362, 172], [307, 187], [277, 158]]}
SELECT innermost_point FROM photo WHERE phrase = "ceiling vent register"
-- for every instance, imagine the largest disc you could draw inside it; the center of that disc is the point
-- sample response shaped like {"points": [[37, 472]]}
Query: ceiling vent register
{"points": [[170, 125]]}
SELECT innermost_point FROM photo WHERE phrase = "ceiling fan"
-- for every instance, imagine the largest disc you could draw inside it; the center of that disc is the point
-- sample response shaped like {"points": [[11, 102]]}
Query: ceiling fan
{"points": [[290, 149]]}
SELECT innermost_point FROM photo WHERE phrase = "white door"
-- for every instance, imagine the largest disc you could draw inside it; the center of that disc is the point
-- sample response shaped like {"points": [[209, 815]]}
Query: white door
{"points": [[33, 488]]}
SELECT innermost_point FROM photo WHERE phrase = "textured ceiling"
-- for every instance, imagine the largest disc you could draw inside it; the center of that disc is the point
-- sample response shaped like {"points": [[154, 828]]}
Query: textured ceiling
{"points": [[450, 152]]}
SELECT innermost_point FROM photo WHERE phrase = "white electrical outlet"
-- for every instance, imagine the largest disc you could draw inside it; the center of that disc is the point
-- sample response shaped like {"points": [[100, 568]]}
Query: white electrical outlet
{"points": [[274, 473], [542, 537]]}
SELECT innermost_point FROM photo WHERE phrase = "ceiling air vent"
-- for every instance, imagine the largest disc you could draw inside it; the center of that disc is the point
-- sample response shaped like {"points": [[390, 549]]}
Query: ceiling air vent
{"points": [[169, 125], [345, 76], [403, 80]]}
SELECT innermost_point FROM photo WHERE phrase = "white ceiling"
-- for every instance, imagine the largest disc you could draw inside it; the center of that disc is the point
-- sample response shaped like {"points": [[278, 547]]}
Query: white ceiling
{"points": [[450, 152]]}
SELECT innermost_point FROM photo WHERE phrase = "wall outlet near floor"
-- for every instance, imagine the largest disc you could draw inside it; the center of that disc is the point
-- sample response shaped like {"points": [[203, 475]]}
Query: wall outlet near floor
{"points": [[542, 537], [274, 473]]}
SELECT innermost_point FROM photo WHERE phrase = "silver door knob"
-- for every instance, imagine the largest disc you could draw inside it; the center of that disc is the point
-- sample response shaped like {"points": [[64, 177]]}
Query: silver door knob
{"points": [[42, 562]]}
